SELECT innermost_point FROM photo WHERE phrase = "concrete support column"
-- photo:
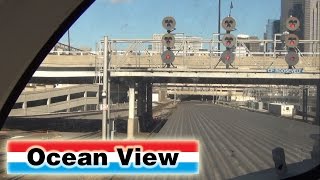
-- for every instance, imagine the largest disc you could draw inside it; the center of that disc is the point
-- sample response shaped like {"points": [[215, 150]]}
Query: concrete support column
{"points": [[131, 118], [214, 98], [162, 92], [141, 105], [318, 105], [24, 107], [305, 104], [85, 95], [111, 129], [149, 100], [48, 104], [98, 103], [68, 101]]}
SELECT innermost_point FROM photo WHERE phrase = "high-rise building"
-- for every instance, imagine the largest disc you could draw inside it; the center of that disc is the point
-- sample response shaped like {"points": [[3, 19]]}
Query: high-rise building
{"points": [[307, 11], [273, 27], [312, 24], [192, 43]]}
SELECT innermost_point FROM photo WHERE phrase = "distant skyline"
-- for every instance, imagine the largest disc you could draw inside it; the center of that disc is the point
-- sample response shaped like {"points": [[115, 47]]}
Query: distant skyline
{"points": [[142, 18]]}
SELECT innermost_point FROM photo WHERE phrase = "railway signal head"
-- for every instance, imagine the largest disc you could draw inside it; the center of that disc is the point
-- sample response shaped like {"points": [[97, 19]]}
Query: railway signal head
{"points": [[169, 23], [229, 40], [168, 40], [292, 58], [292, 40], [292, 24], [167, 57], [229, 23], [227, 57]]}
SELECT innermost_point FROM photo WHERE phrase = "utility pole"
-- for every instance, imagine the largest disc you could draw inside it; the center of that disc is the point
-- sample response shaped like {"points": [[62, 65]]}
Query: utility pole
{"points": [[219, 19], [69, 46]]}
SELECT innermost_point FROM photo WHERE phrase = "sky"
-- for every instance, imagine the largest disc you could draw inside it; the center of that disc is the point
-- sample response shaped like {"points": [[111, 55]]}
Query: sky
{"points": [[142, 18]]}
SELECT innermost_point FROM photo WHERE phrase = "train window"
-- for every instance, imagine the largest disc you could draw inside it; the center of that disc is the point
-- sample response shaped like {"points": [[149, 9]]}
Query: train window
{"points": [[225, 73]]}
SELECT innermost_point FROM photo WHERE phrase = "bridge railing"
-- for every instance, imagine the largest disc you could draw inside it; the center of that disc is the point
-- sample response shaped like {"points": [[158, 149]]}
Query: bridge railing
{"points": [[69, 99], [138, 54]]}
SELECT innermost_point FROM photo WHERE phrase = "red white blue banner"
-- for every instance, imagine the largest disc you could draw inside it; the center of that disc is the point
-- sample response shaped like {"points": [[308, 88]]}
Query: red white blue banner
{"points": [[103, 157]]}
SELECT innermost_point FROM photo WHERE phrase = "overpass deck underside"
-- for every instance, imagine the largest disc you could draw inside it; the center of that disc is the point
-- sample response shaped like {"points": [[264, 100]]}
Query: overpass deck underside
{"points": [[165, 75], [217, 76]]}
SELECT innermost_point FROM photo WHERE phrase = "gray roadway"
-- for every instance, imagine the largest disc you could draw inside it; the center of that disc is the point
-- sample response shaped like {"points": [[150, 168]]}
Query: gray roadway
{"points": [[237, 143]]}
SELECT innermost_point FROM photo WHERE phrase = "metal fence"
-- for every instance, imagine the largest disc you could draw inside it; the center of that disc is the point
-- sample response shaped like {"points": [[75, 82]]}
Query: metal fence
{"points": [[136, 53]]}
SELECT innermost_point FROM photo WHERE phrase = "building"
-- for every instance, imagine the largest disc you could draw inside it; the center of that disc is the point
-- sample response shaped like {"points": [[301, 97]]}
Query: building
{"points": [[252, 46], [272, 27], [307, 11], [312, 24], [192, 43]]}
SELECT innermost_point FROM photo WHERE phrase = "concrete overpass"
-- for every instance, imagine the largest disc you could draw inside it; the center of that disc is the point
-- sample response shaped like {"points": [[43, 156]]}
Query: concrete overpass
{"points": [[190, 69], [140, 71], [216, 76], [179, 76]]}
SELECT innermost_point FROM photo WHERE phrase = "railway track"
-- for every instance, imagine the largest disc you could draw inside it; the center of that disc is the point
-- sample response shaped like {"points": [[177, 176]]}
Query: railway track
{"points": [[234, 143], [237, 144]]}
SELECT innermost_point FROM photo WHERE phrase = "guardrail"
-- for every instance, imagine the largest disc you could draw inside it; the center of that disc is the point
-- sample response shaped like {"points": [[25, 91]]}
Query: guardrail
{"points": [[139, 55], [136, 54], [209, 62], [69, 99], [141, 47]]}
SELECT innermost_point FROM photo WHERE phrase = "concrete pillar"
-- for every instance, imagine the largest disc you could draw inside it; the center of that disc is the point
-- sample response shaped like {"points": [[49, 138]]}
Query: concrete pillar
{"points": [[163, 92], [105, 115], [318, 105], [110, 126], [305, 104], [131, 118], [68, 101], [149, 100], [97, 101], [85, 95], [141, 105], [48, 104], [214, 100], [24, 107]]}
